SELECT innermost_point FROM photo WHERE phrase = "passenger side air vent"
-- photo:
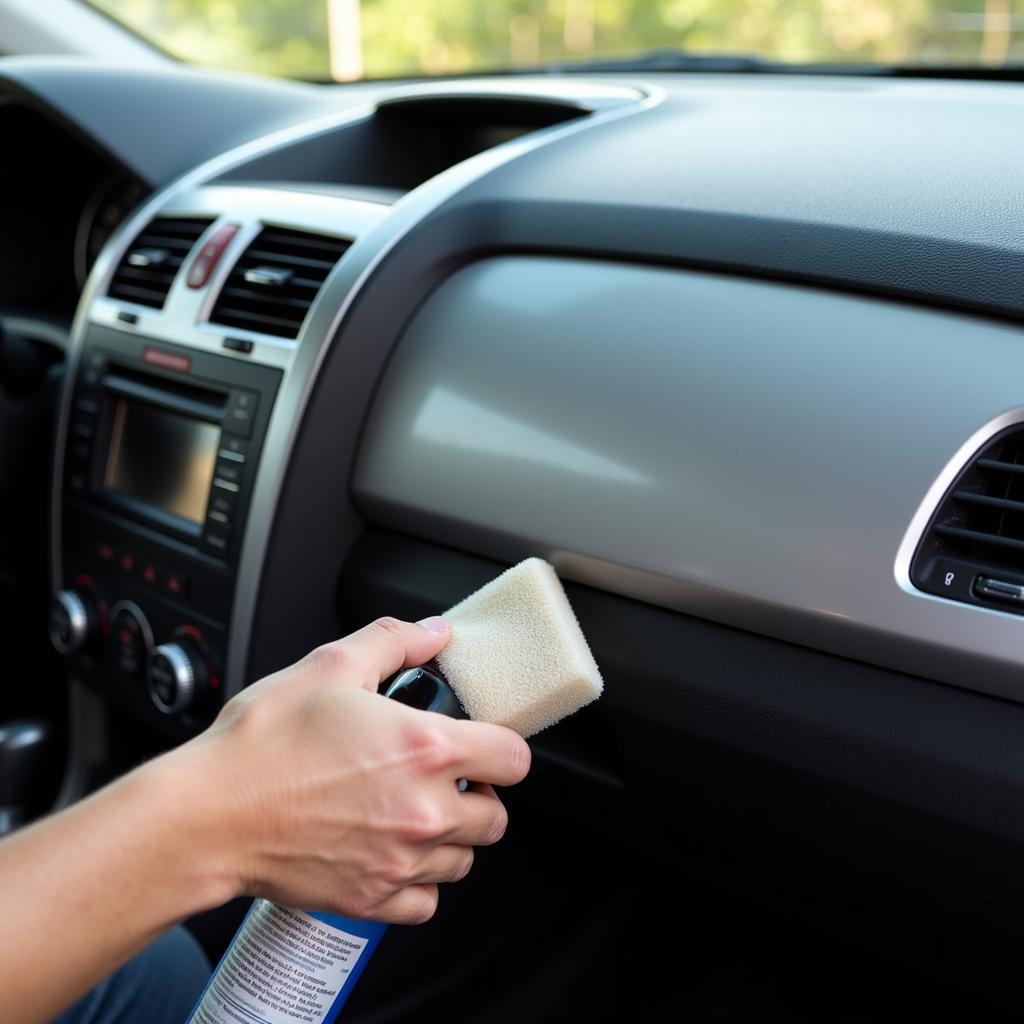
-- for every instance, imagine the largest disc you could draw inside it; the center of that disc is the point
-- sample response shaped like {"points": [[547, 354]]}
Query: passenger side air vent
{"points": [[275, 281], [147, 271], [973, 549]]}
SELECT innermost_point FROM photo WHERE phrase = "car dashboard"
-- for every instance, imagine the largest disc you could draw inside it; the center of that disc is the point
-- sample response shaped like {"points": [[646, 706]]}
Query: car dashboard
{"points": [[737, 354]]}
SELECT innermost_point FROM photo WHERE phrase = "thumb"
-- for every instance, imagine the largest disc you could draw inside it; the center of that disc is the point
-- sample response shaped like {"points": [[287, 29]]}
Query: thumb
{"points": [[378, 650]]}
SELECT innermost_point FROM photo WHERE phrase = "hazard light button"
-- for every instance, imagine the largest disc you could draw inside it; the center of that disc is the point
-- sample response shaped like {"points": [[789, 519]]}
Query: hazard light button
{"points": [[209, 255]]}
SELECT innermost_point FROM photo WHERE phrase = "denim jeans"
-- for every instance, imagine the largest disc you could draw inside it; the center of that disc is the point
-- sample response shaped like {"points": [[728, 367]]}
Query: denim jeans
{"points": [[158, 986]]}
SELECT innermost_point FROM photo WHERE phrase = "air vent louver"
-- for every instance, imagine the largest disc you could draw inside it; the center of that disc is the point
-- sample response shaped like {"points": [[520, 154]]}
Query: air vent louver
{"points": [[147, 270], [275, 281], [973, 549]]}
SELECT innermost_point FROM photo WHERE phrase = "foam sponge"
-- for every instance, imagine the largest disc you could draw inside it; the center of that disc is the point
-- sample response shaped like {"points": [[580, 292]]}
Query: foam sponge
{"points": [[517, 656]]}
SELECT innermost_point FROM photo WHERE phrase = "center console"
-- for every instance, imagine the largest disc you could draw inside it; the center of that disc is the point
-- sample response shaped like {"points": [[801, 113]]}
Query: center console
{"points": [[162, 447], [228, 345]]}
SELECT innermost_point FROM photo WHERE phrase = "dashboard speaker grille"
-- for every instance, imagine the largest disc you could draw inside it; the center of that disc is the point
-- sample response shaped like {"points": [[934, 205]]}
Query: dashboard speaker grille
{"points": [[147, 270], [275, 281], [974, 546]]}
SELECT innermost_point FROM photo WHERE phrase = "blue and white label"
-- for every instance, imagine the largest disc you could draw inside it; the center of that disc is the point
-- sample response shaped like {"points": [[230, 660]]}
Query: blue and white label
{"points": [[284, 967]]}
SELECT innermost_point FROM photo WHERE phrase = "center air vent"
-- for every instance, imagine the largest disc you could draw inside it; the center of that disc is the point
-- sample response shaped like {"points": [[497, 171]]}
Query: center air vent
{"points": [[974, 547], [272, 286], [147, 270]]}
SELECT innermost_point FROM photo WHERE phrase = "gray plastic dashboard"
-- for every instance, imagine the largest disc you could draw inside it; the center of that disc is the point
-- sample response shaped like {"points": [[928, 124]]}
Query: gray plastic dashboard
{"points": [[757, 454], [625, 395]]}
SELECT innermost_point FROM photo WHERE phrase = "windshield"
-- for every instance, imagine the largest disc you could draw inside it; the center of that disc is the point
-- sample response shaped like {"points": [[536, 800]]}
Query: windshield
{"points": [[351, 39]]}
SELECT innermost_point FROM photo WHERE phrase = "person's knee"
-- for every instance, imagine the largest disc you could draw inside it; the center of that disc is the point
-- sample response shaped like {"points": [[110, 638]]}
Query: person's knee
{"points": [[160, 985]]}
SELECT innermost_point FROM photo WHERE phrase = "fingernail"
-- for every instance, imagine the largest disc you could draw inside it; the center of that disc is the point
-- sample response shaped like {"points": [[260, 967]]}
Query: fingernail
{"points": [[434, 624]]}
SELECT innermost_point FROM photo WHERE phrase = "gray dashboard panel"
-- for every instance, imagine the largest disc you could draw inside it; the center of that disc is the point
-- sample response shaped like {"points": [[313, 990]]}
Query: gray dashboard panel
{"points": [[748, 452]]}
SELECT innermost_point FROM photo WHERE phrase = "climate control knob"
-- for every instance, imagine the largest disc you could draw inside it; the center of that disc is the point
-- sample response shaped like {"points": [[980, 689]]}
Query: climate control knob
{"points": [[74, 620], [177, 676]]}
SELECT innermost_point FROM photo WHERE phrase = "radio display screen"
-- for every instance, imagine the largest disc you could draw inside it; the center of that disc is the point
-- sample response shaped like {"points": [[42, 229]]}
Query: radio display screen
{"points": [[161, 457]]}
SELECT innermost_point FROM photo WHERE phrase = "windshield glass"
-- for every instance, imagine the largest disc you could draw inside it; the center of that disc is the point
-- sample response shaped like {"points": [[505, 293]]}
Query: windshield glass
{"points": [[351, 39]]}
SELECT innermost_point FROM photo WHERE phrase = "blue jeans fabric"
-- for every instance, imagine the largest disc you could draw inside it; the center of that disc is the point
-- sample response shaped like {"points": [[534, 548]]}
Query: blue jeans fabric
{"points": [[158, 986]]}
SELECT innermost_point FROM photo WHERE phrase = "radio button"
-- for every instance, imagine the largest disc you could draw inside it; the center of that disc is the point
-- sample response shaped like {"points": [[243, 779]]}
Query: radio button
{"points": [[223, 503], [132, 637], [240, 412], [238, 447], [217, 539], [230, 471]]}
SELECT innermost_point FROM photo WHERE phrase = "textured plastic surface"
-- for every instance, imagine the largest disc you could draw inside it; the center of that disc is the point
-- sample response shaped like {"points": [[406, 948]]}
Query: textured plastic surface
{"points": [[744, 451]]}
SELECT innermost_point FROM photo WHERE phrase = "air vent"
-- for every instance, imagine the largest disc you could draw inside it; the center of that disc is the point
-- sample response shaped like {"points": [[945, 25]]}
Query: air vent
{"points": [[146, 272], [974, 547], [273, 284]]}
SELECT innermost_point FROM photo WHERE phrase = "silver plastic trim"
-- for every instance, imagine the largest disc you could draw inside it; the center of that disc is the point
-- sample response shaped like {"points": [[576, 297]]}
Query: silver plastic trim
{"points": [[301, 362]]}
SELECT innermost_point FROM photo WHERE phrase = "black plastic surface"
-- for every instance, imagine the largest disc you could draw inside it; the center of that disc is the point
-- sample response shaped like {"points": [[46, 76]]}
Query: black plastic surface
{"points": [[861, 800]]}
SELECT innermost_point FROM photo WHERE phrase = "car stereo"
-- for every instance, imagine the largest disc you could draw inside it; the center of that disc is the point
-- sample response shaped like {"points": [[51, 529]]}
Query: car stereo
{"points": [[161, 450]]}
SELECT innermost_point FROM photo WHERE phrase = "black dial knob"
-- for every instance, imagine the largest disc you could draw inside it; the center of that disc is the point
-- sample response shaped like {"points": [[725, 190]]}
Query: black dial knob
{"points": [[74, 620], [177, 675]]}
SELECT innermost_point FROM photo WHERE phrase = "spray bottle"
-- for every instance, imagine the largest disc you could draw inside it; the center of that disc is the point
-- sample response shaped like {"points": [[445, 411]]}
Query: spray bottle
{"points": [[299, 967], [517, 657]]}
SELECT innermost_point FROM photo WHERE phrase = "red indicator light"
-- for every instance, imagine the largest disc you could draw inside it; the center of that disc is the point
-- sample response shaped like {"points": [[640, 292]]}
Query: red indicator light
{"points": [[167, 360]]}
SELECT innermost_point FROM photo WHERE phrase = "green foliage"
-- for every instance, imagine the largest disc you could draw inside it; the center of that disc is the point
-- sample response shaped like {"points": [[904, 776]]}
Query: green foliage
{"points": [[415, 37]]}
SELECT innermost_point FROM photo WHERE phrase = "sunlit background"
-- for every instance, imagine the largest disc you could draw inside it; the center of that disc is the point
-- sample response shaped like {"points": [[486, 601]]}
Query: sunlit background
{"points": [[350, 39]]}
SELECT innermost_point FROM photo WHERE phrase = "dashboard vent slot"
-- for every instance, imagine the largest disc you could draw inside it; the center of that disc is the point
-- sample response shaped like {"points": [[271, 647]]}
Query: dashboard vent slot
{"points": [[973, 549], [275, 281], [147, 270]]}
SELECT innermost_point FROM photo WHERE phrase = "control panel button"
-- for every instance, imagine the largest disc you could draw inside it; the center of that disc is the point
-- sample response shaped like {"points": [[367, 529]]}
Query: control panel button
{"points": [[132, 637], [222, 506], [178, 675], [209, 255], [173, 583], [216, 539], [70, 625], [74, 620], [949, 578], [234, 447], [240, 412], [230, 471]]}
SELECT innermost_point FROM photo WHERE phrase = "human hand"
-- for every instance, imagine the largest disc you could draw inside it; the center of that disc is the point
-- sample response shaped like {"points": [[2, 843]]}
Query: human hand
{"points": [[328, 796]]}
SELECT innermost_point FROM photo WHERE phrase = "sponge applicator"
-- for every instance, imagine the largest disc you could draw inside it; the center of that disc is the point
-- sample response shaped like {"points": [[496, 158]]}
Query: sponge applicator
{"points": [[517, 656]]}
